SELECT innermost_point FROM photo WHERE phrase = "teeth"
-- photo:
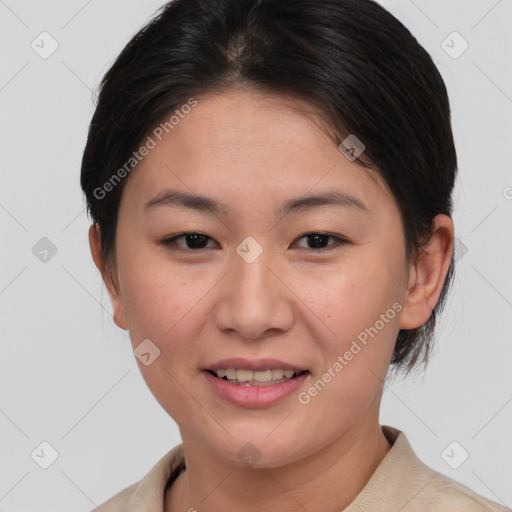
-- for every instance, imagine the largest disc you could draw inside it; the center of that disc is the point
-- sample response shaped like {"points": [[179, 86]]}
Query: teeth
{"points": [[254, 378], [277, 374], [231, 374], [264, 376], [244, 375]]}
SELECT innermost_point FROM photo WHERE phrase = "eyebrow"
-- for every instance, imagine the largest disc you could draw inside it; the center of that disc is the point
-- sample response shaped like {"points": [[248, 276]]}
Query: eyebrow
{"points": [[299, 204]]}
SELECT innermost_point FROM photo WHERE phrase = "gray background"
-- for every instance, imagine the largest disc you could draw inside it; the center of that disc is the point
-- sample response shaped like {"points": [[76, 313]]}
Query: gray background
{"points": [[68, 376]]}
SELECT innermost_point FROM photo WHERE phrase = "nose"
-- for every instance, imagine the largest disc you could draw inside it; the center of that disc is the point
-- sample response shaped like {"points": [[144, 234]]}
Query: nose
{"points": [[254, 298]]}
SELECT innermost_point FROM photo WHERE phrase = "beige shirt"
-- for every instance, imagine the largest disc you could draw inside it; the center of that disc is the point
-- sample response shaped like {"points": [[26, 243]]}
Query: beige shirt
{"points": [[401, 483]]}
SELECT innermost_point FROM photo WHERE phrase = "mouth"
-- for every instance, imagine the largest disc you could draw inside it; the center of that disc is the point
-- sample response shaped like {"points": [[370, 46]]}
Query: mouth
{"points": [[249, 383], [267, 377]]}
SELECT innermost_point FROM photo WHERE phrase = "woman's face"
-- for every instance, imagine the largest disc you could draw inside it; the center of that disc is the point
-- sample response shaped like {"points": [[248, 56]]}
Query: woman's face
{"points": [[252, 291]]}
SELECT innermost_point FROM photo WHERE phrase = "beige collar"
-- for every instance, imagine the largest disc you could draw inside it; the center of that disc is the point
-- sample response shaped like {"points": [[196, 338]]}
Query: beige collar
{"points": [[401, 482]]}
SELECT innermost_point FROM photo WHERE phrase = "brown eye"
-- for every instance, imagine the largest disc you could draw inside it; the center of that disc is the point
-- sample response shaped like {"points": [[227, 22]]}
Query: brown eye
{"points": [[191, 240], [319, 241]]}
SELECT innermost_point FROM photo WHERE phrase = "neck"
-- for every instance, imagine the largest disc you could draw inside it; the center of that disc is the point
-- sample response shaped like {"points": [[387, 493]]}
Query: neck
{"points": [[330, 479]]}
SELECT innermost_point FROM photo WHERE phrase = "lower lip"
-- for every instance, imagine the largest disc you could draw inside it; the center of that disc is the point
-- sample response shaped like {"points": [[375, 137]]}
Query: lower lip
{"points": [[254, 396]]}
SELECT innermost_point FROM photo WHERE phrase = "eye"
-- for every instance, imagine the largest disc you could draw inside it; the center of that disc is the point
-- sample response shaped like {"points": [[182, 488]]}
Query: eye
{"points": [[195, 241], [319, 240], [192, 239]]}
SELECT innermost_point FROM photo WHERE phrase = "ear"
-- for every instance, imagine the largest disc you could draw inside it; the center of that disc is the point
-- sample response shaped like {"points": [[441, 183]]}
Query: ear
{"points": [[427, 274], [115, 297]]}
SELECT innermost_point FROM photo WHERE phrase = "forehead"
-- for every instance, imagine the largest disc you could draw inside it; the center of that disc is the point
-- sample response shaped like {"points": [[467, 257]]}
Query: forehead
{"points": [[242, 142]]}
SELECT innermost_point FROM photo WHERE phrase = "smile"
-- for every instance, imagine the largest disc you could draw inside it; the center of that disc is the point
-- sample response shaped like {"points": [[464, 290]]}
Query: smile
{"points": [[244, 377]]}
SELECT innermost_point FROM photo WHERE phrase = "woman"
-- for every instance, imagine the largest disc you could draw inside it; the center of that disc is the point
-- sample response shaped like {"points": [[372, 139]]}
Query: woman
{"points": [[270, 186]]}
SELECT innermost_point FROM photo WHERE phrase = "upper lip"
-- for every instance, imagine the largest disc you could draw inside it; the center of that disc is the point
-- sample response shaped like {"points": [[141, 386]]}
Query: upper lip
{"points": [[254, 365]]}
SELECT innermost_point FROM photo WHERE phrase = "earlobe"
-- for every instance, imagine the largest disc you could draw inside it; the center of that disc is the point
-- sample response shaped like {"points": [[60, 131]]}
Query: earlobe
{"points": [[115, 298], [427, 275]]}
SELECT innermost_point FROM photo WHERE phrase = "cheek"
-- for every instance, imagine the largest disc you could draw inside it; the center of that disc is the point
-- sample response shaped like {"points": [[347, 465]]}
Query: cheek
{"points": [[159, 306], [159, 309], [357, 307], [169, 307], [353, 298], [154, 295]]}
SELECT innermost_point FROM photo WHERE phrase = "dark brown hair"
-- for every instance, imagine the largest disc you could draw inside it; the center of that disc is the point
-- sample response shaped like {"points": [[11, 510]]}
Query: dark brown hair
{"points": [[351, 58]]}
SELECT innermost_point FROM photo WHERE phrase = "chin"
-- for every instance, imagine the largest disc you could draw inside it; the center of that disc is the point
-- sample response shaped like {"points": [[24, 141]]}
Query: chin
{"points": [[258, 447]]}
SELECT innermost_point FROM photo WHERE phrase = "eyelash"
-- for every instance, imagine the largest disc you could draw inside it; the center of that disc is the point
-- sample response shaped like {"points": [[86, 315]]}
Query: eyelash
{"points": [[171, 242]]}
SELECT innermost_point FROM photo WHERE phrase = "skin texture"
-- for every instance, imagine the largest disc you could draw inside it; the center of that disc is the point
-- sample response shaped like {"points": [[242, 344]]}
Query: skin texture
{"points": [[293, 303]]}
